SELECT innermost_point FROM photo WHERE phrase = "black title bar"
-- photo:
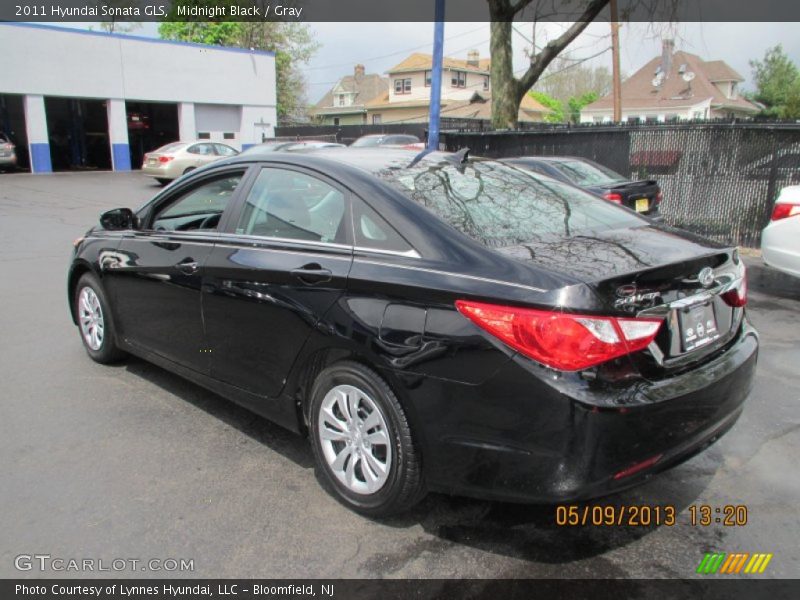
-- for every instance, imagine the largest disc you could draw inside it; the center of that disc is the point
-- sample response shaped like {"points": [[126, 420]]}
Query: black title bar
{"points": [[64, 11]]}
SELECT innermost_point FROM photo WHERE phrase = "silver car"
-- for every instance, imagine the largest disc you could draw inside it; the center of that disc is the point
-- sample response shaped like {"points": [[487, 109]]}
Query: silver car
{"points": [[8, 154], [173, 160], [780, 240]]}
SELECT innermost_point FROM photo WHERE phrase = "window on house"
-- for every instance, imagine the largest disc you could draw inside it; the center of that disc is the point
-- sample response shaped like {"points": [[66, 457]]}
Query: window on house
{"points": [[402, 86], [428, 78], [341, 99], [228, 135], [459, 79], [203, 135], [335, 120], [485, 82], [376, 119]]}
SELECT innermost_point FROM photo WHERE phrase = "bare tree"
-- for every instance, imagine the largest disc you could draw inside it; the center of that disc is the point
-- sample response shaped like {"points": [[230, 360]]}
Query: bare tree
{"points": [[508, 90]]}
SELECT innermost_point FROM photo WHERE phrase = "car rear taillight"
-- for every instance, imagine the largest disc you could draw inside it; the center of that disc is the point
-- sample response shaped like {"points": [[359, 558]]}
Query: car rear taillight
{"points": [[560, 340], [165, 159], [659, 197], [737, 296], [613, 197], [784, 210]]}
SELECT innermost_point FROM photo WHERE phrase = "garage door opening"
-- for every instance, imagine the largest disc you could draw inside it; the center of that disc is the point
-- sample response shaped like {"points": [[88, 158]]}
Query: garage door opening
{"points": [[78, 134], [150, 126], [12, 125]]}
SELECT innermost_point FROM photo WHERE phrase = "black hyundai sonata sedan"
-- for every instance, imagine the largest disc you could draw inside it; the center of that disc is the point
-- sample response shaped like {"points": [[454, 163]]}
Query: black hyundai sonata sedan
{"points": [[430, 322]]}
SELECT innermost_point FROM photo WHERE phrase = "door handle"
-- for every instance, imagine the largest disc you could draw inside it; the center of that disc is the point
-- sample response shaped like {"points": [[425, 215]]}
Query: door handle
{"points": [[187, 267], [312, 273]]}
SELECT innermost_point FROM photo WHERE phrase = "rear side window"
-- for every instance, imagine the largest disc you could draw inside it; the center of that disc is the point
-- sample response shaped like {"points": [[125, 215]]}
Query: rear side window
{"points": [[372, 232], [292, 205]]}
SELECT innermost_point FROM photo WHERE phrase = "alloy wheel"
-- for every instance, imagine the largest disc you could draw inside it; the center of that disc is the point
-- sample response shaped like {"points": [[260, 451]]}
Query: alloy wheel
{"points": [[355, 439], [90, 315]]}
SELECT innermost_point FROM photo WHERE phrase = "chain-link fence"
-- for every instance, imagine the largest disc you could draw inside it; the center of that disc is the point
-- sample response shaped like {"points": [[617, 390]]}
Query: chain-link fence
{"points": [[719, 180]]}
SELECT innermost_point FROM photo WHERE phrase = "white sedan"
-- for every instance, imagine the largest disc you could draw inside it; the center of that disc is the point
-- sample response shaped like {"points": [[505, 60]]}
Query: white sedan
{"points": [[780, 240], [173, 160]]}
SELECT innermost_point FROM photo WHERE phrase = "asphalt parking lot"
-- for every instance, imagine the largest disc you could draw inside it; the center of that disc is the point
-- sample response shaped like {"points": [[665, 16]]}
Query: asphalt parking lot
{"points": [[131, 461]]}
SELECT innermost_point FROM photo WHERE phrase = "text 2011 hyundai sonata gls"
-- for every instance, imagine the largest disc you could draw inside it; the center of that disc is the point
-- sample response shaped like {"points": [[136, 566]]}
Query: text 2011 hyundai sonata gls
{"points": [[435, 323]]}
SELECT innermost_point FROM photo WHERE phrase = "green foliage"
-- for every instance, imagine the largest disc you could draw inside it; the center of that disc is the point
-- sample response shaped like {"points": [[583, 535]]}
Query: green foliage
{"points": [[576, 103], [291, 43], [777, 84], [556, 114]]}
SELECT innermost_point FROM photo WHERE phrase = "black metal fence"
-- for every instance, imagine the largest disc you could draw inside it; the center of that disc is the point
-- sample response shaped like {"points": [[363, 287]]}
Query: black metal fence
{"points": [[718, 179]]}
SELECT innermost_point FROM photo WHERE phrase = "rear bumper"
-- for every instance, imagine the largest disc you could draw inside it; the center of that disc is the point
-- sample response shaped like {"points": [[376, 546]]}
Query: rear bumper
{"points": [[159, 172], [8, 160], [523, 437], [779, 246]]}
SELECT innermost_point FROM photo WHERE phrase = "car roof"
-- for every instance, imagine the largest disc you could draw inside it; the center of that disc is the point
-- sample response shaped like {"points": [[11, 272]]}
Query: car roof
{"points": [[369, 160]]}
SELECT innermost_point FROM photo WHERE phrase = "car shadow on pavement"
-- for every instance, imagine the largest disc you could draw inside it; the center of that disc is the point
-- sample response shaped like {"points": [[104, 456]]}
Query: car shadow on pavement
{"points": [[524, 531], [288, 444]]}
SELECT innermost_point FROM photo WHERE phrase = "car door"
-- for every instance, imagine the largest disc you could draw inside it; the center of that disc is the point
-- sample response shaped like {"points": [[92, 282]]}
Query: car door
{"points": [[274, 273], [155, 277]]}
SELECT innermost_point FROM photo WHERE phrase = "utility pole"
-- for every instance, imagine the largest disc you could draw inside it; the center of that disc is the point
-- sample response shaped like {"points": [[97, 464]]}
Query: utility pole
{"points": [[617, 84], [436, 77]]}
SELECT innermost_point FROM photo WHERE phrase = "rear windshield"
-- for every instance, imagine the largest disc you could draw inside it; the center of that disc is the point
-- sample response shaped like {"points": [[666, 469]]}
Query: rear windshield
{"points": [[365, 142], [587, 174], [171, 147], [499, 206]]}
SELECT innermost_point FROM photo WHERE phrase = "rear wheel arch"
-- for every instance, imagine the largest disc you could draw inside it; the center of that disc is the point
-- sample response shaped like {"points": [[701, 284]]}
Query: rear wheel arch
{"points": [[301, 383]]}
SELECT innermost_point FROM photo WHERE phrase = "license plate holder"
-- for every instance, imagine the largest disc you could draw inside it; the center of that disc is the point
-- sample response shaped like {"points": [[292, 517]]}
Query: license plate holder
{"points": [[642, 204], [698, 326]]}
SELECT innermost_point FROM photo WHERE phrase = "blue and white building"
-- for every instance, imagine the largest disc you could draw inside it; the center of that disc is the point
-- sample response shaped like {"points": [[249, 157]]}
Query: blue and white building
{"points": [[74, 99]]}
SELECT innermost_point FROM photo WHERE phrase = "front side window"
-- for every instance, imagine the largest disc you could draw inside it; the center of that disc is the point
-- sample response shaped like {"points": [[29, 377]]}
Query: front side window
{"points": [[199, 209], [501, 206], [292, 205]]}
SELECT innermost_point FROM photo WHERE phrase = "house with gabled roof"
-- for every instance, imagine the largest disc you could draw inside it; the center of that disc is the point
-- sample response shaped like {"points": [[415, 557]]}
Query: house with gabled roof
{"points": [[676, 86], [465, 92], [345, 103]]}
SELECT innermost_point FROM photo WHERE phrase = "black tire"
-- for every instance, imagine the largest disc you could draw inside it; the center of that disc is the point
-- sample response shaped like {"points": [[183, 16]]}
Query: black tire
{"points": [[108, 352], [163, 181], [404, 486]]}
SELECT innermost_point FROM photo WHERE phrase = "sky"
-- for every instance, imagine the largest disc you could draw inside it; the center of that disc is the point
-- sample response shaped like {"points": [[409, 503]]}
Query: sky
{"points": [[379, 46]]}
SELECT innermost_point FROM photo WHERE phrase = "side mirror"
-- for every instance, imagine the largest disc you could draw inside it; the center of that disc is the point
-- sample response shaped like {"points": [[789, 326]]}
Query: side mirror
{"points": [[119, 219]]}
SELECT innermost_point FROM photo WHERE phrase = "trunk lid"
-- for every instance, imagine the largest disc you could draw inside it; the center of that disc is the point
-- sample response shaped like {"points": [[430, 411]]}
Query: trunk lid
{"points": [[652, 271]]}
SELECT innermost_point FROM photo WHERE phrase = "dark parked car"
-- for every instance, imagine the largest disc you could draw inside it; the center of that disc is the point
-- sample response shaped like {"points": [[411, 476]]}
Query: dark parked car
{"points": [[431, 323], [385, 139], [642, 196]]}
